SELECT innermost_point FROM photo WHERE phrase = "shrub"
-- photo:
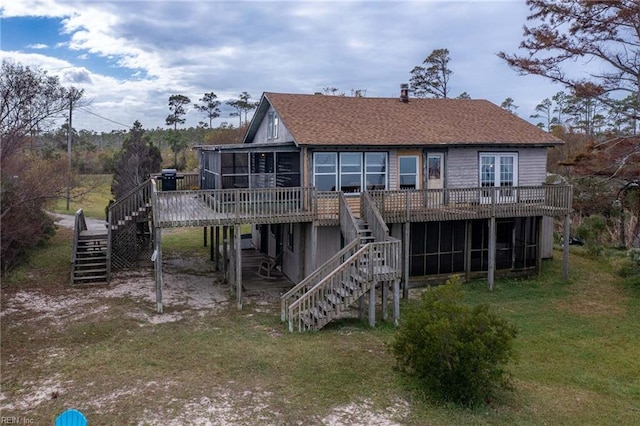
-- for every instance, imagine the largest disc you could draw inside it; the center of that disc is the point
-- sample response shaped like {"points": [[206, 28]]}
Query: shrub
{"points": [[630, 267], [592, 231], [456, 352]]}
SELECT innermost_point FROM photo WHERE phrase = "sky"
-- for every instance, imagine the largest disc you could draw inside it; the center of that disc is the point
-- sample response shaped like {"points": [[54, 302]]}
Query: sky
{"points": [[130, 56]]}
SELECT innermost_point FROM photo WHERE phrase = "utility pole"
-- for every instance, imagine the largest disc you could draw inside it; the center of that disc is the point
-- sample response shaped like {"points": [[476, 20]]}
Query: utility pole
{"points": [[71, 95]]}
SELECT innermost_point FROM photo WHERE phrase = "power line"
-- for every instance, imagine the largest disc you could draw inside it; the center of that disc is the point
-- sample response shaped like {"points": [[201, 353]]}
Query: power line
{"points": [[105, 118]]}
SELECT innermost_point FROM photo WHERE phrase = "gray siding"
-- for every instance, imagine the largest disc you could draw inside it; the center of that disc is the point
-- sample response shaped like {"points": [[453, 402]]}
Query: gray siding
{"points": [[283, 133], [532, 167], [292, 261], [462, 166]]}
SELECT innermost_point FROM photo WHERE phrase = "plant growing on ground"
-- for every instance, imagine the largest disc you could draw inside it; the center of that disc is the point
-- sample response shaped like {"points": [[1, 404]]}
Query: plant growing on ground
{"points": [[456, 352]]}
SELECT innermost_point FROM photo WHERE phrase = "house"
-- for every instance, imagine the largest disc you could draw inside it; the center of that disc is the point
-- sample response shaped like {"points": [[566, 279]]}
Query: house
{"points": [[351, 195], [470, 151]]}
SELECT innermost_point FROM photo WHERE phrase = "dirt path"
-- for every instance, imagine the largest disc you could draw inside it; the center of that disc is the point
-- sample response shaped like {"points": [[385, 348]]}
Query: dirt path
{"points": [[68, 220]]}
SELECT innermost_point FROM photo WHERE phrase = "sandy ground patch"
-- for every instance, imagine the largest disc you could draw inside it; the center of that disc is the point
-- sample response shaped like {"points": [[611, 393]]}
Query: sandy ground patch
{"points": [[191, 289]]}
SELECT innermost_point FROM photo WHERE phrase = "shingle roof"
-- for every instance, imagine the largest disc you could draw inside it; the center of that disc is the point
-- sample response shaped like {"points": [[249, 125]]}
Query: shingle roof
{"points": [[334, 120]]}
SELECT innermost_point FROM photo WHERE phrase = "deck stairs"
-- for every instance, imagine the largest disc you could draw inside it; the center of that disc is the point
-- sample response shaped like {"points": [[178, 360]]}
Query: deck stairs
{"points": [[90, 257], [333, 288]]}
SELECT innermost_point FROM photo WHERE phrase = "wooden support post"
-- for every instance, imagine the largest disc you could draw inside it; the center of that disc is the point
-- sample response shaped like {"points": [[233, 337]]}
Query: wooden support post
{"points": [[492, 253], [361, 308], [204, 236], [225, 255], [232, 259], [565, 247], [314, 244], [384, 296], [396, 301], [238, 265], [538, 245], [212, 245], [216, 252], [467, 250], [157, 261], [407, 256], [372, 305]]}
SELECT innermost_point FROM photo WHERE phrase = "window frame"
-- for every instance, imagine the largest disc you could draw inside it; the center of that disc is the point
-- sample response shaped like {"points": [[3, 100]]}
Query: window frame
{"points": [[334, 173], [272, 125], [416, 174], [497, 171], [341, 165]]}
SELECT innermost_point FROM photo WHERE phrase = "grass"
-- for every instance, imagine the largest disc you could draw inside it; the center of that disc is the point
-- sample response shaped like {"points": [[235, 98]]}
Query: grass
{"points": [[92, 195]]}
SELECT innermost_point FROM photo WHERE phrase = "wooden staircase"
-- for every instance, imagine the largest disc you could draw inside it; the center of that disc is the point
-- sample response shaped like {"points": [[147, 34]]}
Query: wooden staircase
{"points": [[90, 261], [91, 258], [373, 264], [371, 260]]}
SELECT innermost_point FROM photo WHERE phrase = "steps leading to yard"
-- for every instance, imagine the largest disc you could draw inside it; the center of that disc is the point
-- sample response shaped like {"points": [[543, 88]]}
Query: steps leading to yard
{"points": [[90, 258]]}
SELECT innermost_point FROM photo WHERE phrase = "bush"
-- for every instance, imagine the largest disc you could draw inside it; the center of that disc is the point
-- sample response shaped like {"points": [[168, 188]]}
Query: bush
{"points": [[456, 352], [630, 267]]}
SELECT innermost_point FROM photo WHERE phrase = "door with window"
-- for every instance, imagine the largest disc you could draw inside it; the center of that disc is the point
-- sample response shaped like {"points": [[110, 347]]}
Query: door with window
{"points": [[499, 173], [435, 178]]}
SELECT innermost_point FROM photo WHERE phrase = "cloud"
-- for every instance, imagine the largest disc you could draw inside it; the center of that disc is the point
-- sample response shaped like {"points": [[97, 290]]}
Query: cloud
{"points": [[130, 62], [38, 46]]}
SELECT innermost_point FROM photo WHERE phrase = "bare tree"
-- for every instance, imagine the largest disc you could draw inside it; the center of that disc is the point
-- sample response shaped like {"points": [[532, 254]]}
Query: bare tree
{"points": [[606, 33], [31, 103]]}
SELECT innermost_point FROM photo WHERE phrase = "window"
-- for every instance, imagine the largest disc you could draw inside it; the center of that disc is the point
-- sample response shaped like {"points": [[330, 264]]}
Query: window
{"points": [[375, 170], [408, 167], [498, 169], [272, 125], [325, 171], [349, 172]]}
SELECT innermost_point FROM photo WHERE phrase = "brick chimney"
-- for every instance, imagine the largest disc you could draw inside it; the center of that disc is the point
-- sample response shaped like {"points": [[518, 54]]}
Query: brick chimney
{"points": [[404, 93]]}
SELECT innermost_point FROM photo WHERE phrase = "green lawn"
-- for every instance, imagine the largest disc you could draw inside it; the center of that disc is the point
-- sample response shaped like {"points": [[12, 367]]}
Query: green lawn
{"points": [[92, 195]]}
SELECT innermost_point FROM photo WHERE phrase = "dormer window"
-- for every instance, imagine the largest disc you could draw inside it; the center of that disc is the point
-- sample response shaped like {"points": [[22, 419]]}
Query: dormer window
{"points": [[272, 125]]}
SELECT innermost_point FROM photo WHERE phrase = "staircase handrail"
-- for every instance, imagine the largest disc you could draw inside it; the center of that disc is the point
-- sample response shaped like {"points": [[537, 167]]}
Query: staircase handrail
{"points": [[80, 224], [348, 224], [310, 295], [359, 261], [372, 216], [125, 204], [316, 276]]}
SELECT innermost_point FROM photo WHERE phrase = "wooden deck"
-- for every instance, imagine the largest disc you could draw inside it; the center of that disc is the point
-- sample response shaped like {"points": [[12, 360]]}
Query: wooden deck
{"points": [[292, 205], [229, 207]]}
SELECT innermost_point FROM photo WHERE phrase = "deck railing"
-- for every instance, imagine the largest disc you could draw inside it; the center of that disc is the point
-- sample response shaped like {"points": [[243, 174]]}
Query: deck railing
{"points": [[371, 215], [471, 203], [184, 181], [80, 224], [348, 224], [259, 202], [316, 276], [327, 207]]}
